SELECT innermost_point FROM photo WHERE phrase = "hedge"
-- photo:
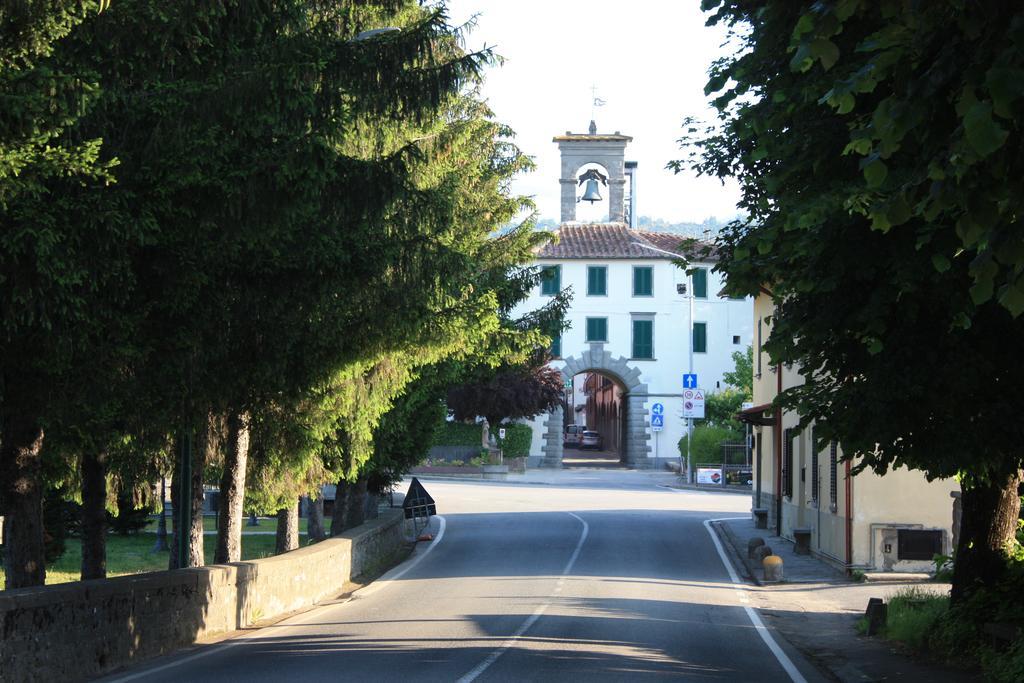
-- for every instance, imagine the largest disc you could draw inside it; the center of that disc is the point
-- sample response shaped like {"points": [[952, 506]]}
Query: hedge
{"points": [[458, 434], [707, 443], [517, 440]]}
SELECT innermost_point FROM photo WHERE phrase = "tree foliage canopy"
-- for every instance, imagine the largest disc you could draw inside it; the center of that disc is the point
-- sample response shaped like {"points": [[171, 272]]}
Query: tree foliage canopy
{"points": [[877, 147]]}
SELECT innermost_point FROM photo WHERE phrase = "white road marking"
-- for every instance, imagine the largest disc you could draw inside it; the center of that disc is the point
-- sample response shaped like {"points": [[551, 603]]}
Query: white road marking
{"points": [[766, 636], [537, 613], [315, 612]]}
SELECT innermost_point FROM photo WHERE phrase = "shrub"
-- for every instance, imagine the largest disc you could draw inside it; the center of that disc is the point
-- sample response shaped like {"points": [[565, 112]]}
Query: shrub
{"points": [[912, 615], [518, 438], [707, 443]]}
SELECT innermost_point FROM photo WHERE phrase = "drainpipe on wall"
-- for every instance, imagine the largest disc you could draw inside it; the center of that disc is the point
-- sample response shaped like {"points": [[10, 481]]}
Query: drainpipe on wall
{"points": [[778, 454], [849, 517]]}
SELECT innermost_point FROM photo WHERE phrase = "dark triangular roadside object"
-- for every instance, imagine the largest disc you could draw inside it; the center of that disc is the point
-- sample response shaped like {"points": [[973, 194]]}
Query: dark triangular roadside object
{"points": [[418, 502]]}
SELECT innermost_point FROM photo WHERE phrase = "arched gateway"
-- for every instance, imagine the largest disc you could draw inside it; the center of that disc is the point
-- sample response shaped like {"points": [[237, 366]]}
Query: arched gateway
{"points": [[634, 447]]}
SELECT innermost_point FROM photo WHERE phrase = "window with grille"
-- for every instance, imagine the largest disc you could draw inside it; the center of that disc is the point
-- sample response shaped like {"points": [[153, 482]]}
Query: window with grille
{"points": [[814, 468], [787, 463], [833, 482]]}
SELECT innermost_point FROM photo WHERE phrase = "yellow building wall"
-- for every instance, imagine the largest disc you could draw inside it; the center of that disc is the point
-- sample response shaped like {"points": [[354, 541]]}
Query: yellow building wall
{"points": [[880, 504]]}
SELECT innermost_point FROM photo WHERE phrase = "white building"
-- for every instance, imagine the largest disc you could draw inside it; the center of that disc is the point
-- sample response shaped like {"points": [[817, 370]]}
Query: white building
{"points": [[630, 315]]}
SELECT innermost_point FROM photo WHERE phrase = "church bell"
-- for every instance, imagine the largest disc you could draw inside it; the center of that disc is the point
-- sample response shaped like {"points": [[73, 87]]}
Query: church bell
{"points": [[592, 192]]}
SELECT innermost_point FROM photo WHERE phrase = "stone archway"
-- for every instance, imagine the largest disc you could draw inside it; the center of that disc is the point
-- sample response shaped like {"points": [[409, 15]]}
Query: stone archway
{"points": [[635, 446]]}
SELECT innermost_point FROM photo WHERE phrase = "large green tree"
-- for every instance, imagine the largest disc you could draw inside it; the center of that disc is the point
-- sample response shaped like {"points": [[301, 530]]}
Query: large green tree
{"points": [[295, 207], [57, 274], [876, 145]]}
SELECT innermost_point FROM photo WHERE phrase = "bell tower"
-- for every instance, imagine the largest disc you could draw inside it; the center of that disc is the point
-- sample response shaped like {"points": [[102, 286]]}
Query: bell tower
{"points": [[580, 149]]}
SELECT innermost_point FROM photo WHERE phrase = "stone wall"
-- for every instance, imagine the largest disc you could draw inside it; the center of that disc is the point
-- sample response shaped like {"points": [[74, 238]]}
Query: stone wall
{"points": [[81, 630]]}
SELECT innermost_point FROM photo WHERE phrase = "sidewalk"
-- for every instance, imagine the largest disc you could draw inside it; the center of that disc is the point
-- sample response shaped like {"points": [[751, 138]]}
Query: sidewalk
{"points": [[816, 609]]}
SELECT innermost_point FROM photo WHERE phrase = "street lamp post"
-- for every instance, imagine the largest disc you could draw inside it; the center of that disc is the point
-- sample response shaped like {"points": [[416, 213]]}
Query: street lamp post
{"points": [[689, 295]]}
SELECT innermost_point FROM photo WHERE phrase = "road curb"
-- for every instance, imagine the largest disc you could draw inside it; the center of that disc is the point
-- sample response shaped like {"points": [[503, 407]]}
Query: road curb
{"points": [[730, 541]]}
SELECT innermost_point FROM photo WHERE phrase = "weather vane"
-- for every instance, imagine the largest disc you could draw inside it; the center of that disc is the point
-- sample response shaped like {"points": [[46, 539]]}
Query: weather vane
{"points": [[595, 101]]}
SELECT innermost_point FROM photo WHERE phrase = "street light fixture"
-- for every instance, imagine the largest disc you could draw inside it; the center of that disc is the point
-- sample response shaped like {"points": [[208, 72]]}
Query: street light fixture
{"points": [[687, 292]]}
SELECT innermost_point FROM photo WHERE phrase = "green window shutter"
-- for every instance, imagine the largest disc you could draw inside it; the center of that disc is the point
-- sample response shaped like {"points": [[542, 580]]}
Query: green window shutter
{"points": [[643, 339], [700, 283], [556, 346], [700, 337], [597, 280], [550, 280], [597, 329], [643, 281]]}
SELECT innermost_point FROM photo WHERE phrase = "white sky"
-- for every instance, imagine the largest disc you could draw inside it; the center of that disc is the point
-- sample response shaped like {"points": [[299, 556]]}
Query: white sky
{"points": [[648, 60]]}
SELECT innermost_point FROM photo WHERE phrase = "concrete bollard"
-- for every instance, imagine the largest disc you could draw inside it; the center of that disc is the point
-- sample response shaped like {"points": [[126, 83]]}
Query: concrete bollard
{"points": [[772, 568], [877, 613], [752, 545]]}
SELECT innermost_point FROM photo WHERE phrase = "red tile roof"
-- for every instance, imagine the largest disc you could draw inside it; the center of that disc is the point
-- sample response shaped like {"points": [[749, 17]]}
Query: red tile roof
{"points": [[613, 241]]}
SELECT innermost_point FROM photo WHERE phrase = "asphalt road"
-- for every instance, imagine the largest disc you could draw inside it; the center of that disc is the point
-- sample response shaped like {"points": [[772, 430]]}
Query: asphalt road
{"points": [[589, 577]]}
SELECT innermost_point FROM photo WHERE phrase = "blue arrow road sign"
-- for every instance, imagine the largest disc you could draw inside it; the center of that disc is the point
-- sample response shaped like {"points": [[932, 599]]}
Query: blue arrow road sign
{"points": [[657, 420], [657, 409], [690, 381]]}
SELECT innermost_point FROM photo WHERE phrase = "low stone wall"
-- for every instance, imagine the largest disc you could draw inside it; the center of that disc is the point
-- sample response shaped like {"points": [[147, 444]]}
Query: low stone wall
{"points": [[80, 630]]}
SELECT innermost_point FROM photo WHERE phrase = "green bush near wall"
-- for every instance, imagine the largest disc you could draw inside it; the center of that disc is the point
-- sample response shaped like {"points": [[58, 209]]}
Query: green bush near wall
{"points": [[458, 434], [516, 443], [707, 443]]}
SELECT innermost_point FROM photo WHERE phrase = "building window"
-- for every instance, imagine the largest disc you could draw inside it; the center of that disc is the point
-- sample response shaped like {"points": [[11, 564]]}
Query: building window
{"points": [[556, 346], [833, 483], [597, 329], [700, 283], [814, 469], [700, 337], [597, 280], [787, 463], [550, 280], [643, 338], [735, 339], [643, 281]]}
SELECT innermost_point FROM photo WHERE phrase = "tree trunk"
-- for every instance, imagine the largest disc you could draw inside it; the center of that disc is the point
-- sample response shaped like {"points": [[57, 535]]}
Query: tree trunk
{"points": [[357, 504], [987, 530], [341, 503], [232, 490], [203, 442], [21, 497], [315, 530], [94, 515], [287, 529]]}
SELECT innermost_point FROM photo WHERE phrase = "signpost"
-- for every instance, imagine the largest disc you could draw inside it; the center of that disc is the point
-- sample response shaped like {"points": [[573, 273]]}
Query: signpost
{"points": [[690, 380], [693, 404], [418, 505]]}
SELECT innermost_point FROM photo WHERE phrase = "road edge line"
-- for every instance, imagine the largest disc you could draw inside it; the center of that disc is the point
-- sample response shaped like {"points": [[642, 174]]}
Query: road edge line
{"points": [[784, 661]]}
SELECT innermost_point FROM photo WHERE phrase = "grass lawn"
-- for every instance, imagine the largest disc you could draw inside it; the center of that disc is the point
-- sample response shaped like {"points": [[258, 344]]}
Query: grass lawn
{"points": [[134, 554], [265, 524]]}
